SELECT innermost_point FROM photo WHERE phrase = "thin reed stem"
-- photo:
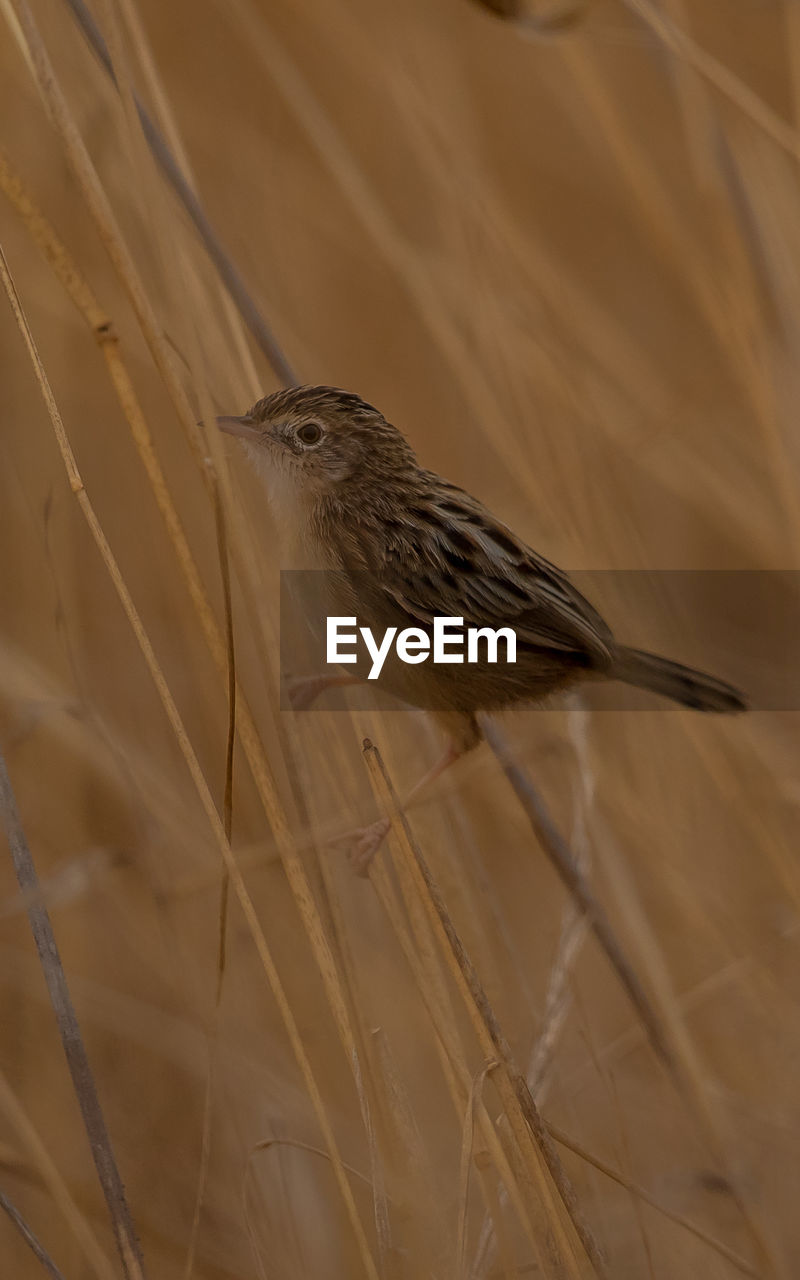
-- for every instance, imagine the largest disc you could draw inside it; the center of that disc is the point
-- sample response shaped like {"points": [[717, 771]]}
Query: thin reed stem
{"points": [[34, 1244], [263, 775], [418, 949], [641, 1193], [196, 773], [227, 269], [11, 1108], [666, 1036], [568, 868], [68, 1026], [520, 1108]]}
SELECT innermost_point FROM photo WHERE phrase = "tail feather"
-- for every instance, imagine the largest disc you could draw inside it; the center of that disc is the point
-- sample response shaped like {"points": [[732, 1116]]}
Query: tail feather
{"points": [[681, 684]]}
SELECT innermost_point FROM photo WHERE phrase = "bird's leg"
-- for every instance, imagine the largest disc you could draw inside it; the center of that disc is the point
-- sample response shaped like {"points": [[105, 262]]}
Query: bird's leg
{"points": [[303, 691], [450, 755], [365, 842]]}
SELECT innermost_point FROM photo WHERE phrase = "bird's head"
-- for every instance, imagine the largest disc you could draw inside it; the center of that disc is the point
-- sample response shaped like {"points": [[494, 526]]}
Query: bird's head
{"points": [[318, 440]]}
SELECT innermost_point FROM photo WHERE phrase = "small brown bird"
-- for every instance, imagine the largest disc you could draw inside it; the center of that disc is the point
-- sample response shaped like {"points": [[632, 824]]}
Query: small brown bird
{"points": [[405, 546]]}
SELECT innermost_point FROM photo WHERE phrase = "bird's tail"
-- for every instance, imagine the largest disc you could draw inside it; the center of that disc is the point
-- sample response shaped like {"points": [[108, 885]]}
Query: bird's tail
{"points": [[681, 684]]}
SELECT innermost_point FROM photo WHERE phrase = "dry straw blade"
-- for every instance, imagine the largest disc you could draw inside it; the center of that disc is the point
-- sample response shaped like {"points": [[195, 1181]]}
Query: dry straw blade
{"points": [[174, 172], [520, 1108], [14, 1216], [204, 794], [69, 1029], [100, 209]]}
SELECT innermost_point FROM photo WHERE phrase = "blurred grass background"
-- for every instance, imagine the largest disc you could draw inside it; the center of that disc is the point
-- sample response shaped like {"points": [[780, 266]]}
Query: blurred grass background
{"points": [[566, 266]]}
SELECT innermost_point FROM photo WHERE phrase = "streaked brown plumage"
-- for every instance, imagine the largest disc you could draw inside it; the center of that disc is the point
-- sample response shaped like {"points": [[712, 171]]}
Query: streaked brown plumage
{"points": [[349, 495]]}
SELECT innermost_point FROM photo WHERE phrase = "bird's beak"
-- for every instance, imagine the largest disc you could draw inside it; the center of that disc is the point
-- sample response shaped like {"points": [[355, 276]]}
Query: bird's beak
{"points": [[243, 427]]}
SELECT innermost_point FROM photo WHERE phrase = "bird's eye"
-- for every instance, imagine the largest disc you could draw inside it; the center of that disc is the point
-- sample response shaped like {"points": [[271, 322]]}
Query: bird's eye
{"points": [[309, 433]]}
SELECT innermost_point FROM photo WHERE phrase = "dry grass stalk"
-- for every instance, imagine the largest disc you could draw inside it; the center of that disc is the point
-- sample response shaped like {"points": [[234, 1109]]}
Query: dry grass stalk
{"points": [[370, 1082], [556, 1009], [718, 1246], [510, 1270], [152, 199], [740, 290], [260, 768], [624, 1157], [193, 764], [467, 1157], [428, 967], [686, 1069], [337, 157], [398, 1146], [566, 865], [522, 1187], [96, 1260], [721, 77], [179, 159], [267, 1143], [733, 324], [68, 1027], [418, 950], [573, 923], [520, 1108], [661, 1020], [172, 171], [729, 305], [36, 1247]]}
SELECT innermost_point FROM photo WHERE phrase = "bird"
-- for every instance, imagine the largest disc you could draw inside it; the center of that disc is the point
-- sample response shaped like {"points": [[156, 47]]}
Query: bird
{"points": [[400, 546]]}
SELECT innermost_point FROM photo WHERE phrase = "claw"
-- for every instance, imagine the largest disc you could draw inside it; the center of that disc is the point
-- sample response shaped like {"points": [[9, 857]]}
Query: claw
{"points": [[363, 844]]}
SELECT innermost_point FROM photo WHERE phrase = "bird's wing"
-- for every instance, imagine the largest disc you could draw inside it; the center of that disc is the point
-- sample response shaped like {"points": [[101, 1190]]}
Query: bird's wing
{"points": [[451, 557]]}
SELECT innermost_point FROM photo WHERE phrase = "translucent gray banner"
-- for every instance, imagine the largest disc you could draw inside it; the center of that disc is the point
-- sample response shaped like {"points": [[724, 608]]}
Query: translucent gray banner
{"points": [[740, 626]]}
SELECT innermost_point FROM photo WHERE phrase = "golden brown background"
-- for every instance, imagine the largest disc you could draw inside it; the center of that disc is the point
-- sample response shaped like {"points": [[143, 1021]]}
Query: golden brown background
{"points": [[567, 265]]}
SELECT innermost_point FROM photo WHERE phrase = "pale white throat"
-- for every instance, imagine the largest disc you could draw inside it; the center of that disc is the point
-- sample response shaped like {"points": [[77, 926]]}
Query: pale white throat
{"points": [[291, 500]]}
